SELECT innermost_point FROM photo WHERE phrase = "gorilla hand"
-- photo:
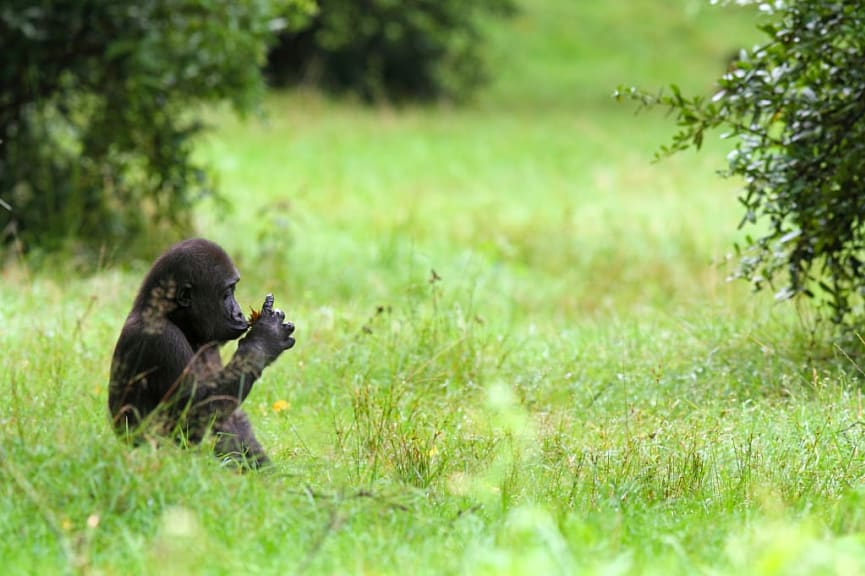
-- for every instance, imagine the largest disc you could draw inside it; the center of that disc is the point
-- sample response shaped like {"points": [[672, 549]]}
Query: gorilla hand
{"points": [[270, 333]]}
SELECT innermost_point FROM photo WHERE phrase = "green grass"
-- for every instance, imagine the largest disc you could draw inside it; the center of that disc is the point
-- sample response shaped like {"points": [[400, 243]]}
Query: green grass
{"points": [[580, 392]]}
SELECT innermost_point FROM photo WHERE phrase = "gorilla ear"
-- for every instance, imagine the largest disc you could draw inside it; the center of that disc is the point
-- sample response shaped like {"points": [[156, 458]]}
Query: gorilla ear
{"points": [[184, 295]]}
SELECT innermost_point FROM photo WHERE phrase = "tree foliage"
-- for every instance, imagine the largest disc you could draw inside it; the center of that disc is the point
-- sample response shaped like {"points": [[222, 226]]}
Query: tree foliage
{"points": [[98, 109], [795, 106], [390, 49]]}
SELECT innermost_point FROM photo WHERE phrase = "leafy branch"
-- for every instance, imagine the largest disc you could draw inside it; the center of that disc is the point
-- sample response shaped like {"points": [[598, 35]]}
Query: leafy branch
{"points": [[795, 107]]}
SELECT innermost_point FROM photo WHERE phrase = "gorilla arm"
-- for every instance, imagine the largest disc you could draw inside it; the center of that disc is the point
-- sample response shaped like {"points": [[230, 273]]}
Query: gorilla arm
{"points": [[212, 400]]}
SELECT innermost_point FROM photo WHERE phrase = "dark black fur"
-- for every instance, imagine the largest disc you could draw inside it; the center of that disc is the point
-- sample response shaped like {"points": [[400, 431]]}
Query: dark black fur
{"points": [[166, 370]]}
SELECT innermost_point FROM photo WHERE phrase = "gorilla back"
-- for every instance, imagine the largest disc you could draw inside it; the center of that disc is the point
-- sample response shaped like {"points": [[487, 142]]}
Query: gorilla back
{"points": [[167, 376]]}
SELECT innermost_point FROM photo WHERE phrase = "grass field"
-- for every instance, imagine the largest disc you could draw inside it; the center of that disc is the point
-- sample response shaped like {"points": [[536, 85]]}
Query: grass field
{"points": [[574, 389]]}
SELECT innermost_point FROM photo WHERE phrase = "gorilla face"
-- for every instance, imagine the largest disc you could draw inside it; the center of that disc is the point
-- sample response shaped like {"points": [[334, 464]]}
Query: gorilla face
{"points": [[233, 323]]}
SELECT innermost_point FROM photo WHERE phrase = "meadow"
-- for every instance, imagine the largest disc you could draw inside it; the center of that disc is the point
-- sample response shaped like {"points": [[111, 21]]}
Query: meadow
{"points": [[518, 348]]}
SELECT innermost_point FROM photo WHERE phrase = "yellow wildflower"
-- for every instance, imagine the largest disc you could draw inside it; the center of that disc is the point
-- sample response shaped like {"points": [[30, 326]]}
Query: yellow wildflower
{"points": [[280, 405]]}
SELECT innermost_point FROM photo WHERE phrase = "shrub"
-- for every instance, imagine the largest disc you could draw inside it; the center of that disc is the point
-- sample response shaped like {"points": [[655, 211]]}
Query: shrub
{"points": [[795, 106], [389, 49], [97, 110]]}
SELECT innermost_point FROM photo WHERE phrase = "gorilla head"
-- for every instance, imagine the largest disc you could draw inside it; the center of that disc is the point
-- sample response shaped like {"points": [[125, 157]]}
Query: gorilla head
{"points": [[192, 285]]}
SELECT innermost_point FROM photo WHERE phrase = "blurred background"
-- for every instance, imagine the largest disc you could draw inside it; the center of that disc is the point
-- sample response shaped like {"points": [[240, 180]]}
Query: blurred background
{"points": [[488, 127]]}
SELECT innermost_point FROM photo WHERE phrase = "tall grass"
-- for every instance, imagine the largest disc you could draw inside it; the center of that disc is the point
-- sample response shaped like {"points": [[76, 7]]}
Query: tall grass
{"points": [[517, 351]]}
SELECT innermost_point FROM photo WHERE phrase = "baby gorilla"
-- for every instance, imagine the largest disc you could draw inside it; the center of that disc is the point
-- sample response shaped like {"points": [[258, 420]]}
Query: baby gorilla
{"points": [[166, 371]]}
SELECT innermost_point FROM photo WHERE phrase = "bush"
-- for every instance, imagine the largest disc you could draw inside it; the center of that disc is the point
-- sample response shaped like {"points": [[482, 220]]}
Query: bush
{"points": [[795, 106], [97, 110], [389, 49]]}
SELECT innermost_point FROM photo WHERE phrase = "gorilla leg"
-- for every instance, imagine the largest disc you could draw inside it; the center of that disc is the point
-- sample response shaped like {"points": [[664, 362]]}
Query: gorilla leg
{"points": [[236, 441]]}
